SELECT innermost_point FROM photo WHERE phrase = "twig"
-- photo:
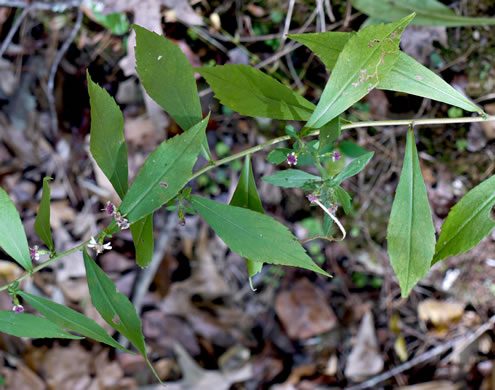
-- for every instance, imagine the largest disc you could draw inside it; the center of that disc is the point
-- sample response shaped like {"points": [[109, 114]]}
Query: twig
{"points": [[54, 67], [490, 96], [321, 13], [60, 6], [373, 382], [328, 8], [13, 30], [287, 23]]}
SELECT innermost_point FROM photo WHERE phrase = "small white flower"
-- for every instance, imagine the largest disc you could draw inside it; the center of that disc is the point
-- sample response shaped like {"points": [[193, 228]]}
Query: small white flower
{"points": [[99, 248], [18, 309]]}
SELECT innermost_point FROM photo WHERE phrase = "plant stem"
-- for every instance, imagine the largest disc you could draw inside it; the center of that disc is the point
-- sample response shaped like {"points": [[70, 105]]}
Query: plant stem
{"points": [[257, 148], [402, 122]]}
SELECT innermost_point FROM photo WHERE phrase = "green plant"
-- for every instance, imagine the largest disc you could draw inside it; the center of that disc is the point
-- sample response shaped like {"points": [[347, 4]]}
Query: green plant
{"points": [[359, 62]]}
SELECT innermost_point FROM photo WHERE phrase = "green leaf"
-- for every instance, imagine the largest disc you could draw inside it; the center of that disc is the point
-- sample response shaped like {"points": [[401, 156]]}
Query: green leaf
{"points": [[166, 170], [327, 225], [327, 45], [12, 236], [169, 79], [278, 156], [29, 325], [410, 233], [343, 198], [428, 12], [65, 317], [366, 58], [251, 92], [409, 76], [353, 168], [291, 178], [42, 222], [352, 149], [107, 142], [114, 307], [144, 242], [116, 22], [246, 195], [468, 222], [253, 235], [329, 133]]}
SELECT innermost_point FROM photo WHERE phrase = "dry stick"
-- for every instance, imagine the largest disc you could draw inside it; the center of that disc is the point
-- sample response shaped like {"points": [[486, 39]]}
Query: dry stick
{"points": [[60, 6], [373, 382], [328, 8], [53, 71], [13, 30], [287, 24], [321, 13]]}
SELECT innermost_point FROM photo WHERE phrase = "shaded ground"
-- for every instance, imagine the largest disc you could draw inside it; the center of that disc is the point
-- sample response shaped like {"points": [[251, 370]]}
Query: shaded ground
{"points": [[297, 331]]}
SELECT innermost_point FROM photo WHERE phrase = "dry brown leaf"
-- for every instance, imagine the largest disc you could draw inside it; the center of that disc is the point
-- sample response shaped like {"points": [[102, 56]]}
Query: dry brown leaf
{"points": [[436, 385], [304, 310], [61, 212], [22, 378], [440, 313], [365, 359], [489, 126]]}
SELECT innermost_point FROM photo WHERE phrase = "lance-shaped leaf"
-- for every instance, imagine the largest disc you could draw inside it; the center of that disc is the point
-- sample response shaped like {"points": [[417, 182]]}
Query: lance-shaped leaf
{"points": [[251, 92], [343, 198], [353, 168], [428, 12], [329, 133], [291, 178], [169, 79], [410, 233], [409, 76], [327, 46], [144, 242], [166, 170], [246, 195], [107, 142], [468, 222], [42, 222], [366, 58], [253, 235], [67, 318], [29, 325], [114, 307], [12, 236]]}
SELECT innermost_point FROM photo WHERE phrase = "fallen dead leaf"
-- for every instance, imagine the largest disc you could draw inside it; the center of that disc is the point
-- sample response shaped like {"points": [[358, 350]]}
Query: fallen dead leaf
{"points": [[365, 358], [489, 126], [436, 385], [21, 378], [441, 314], [304, 310]]}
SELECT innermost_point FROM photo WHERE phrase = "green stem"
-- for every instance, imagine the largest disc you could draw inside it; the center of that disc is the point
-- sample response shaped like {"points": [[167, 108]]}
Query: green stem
{"points": [[402, 122], [254, 149]]}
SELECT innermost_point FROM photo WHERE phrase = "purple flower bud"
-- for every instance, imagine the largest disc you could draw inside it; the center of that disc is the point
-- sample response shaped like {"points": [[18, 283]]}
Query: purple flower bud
{"points": [[18, 309], [292, 159], [312, 198], [336, 156], [182, 222], [110, 208], [33, 252]]}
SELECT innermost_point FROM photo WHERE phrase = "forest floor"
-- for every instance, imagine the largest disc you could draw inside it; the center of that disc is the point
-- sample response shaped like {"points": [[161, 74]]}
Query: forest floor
{"points": [[205, 327]]}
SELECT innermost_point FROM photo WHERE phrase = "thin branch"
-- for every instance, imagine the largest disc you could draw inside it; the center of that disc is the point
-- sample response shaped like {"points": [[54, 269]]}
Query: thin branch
{"points": [[287, 23], [60, 6], [13, 30], [428, 355], [54, 67], [403, 122]]}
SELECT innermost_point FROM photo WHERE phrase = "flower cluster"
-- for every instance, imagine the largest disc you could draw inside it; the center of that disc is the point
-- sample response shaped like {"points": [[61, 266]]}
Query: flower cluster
{"points": [[336, 156], [98, 247], [18, 309], [34, 253], [122, 222], [292, 159]]}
